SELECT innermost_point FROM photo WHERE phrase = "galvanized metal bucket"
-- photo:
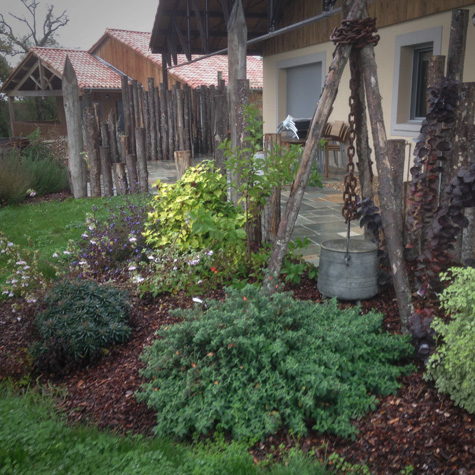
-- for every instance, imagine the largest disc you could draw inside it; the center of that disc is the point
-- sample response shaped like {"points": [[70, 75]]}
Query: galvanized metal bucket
{"points": [[348, 270]]}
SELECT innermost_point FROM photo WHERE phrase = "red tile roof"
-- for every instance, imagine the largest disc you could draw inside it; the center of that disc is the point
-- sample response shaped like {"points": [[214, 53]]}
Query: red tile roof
{"points": [[90, 71], [203, 72]]}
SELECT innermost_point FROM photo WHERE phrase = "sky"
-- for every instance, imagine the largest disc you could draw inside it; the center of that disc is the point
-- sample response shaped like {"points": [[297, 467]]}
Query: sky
{"points": [[88, 19]]}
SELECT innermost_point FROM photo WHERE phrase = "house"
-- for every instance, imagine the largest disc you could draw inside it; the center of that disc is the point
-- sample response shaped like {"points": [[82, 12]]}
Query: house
{"points": [[99, 72], [293, 39]]}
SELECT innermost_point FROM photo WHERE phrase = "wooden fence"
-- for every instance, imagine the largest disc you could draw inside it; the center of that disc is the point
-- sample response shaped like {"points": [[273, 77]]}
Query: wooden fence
{"points": [[156, 123]]}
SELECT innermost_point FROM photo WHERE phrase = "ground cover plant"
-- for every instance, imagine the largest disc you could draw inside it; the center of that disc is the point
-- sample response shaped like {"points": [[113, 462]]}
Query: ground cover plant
{"points": [[255, 363]]}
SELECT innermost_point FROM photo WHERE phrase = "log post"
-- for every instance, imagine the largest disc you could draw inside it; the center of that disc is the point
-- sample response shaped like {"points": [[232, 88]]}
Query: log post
{"points": [[386, 188], [182, 162], [106, 168], [179, 119], [186, 119], [152, 120], [112, 124], [271, 211], [126, 107], [120, 177], [146, 124], [396, 156], [72, 109], [164, 122], [131, 163], [220, 126], [92, 137], [171, 124], [320, 118], [156, 99], [142, 170]]}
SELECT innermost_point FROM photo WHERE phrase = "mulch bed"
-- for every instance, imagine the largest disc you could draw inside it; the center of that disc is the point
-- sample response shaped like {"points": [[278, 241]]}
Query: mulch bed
{"points": [[416, 427]]}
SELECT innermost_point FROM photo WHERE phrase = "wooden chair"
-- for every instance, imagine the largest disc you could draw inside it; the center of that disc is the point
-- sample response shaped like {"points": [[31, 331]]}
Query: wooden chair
{"points": [[336, 135]]}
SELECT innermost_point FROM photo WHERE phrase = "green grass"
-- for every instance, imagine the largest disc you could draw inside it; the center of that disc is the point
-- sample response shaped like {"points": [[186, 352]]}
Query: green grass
{"points": [[48, 226], [34, 439]]}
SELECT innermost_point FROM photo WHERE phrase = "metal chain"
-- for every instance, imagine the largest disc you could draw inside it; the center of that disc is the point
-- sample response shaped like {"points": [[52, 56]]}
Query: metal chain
{"points": [[358, 34]]}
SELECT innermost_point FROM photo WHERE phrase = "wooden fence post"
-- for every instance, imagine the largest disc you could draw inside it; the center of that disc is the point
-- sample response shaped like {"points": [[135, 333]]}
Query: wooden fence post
{"points": [[141, 159], [120, 178], [182, 162], [92, 136], [72, 109], [106, 168]]}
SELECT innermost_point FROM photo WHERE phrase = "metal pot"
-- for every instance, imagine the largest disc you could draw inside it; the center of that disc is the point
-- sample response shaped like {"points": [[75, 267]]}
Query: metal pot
{"points": [[348, 273]]}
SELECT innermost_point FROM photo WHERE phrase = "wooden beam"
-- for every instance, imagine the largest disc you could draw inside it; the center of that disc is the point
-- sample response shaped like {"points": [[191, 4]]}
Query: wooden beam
{"points": [[199, 22], [53, 93], [11, 110], [27, 75]]}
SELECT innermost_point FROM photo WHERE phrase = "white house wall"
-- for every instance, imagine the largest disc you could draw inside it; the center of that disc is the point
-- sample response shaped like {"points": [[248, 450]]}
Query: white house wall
{"points": [[274, 97]]}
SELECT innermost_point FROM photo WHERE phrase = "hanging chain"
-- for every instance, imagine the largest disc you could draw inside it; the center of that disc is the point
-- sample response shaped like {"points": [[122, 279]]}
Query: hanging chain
{"points": [[358, 34]]}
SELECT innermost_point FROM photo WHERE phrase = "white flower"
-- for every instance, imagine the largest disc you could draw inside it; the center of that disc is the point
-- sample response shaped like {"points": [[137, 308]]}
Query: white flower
{"points": [[174, 268], [197, 300], [26, 267], [21, 263], [210, 253], [55, 254], [10, 244], [10, 294], [132, 268], [133, 239], [82, 263], [14, 281], [31, 300], [66, 252], [93, 242], [84, 235], [150, 257], [138, 279]]}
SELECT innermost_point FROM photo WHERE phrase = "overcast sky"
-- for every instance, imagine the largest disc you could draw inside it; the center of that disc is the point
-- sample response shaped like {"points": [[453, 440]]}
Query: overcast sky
{"points": [[88, 19]]}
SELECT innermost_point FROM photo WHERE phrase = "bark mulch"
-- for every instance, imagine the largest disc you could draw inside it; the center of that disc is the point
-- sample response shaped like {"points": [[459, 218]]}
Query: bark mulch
{"points": [[416, 427]]}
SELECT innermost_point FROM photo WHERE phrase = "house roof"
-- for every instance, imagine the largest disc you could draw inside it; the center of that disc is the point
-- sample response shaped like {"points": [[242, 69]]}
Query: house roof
{"points": [[199, 73], [202, 28], [91, 72]]}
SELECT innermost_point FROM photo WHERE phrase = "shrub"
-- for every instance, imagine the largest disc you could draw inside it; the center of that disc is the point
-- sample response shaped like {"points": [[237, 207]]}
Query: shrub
{"points": [[45, 164], [452, 366], [256, 362], [81, 318], [111, 245], [15, 180], [194, 214]]}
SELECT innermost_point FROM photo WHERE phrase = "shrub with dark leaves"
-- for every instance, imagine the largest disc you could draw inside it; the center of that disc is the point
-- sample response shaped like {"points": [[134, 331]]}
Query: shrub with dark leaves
{"points": [[80, 320]]}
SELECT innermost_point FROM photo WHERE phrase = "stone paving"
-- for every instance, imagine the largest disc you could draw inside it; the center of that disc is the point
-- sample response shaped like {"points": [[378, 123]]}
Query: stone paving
{"points": [[319, 218]]}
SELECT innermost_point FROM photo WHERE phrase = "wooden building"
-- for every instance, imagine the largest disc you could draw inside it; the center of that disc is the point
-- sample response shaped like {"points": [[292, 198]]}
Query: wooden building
{"points": [[39, 75], [99, 71]]}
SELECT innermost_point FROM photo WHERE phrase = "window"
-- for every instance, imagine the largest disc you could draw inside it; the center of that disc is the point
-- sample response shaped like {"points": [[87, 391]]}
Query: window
{"points": [[411, 62], [420, 68], [299, 85]]}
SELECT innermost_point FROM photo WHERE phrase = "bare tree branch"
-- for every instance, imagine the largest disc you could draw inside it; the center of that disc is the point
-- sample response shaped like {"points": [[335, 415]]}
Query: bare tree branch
{"points": [[12, 43]]}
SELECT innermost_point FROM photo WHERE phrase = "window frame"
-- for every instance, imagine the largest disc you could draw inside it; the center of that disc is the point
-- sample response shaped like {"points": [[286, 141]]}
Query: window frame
{"points": [[402, 97]]}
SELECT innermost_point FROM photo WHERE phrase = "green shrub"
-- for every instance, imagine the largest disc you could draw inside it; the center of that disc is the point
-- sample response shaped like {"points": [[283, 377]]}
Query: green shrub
{"points": [[81, 318], [194, 214], [15, 180], [452, 366], [255, 363], [45, 164]]}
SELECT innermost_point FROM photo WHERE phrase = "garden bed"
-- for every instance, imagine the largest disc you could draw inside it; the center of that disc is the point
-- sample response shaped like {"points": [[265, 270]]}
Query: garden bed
{"points": [[416, 427]]}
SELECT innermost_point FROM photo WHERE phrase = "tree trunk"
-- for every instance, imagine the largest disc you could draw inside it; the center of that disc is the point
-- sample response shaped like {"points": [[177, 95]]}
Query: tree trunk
{"points": [[164, 122], [386, 188], [114, 149], [126, 109], [320, 118], [182, 162], [152, 120], [220, 127], [72, 109]]}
